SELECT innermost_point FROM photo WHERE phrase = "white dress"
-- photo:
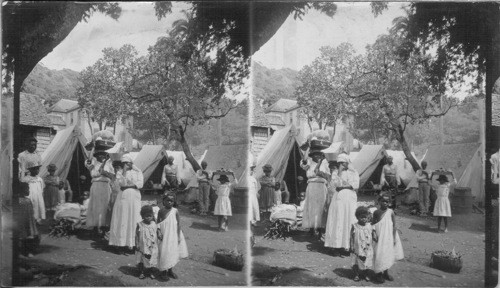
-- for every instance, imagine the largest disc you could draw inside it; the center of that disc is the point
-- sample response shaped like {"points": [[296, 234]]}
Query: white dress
{"points": [[36, 186], [253, 187], [341, 213], [223, 203], [385, 252], [170, 250], [100, 192], [316, 195], [127, 210], [442, 205]]}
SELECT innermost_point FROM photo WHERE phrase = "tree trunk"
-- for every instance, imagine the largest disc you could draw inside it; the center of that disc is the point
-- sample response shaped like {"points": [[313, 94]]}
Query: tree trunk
{"points": [[406, 149], [186, 149]]}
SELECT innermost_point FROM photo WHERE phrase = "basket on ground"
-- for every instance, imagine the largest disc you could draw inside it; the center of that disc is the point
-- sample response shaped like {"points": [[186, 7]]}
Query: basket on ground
{"points": [[446, 261], [228, 259]]}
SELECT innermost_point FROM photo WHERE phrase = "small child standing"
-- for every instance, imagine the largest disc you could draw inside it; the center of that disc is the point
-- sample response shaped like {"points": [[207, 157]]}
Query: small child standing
{"points": [[172, 245], [28, 233], [51, 191], [300, 208], [387, 248], [62, 193], [146, 242], [277, 193], [36, 186], [362, 235], [442, 208], [223, 204]]}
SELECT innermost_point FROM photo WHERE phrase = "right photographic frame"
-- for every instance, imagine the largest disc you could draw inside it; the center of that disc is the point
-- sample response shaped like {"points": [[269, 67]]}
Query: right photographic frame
{"points": [[374, 155]]}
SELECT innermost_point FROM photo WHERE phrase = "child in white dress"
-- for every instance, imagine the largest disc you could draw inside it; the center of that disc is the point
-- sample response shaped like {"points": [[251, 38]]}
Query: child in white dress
{"points": [[146, 242], [442, 208], [388, 248], [172, 245], [223, 204], [277, 193], [362, 235], [36, 186]]}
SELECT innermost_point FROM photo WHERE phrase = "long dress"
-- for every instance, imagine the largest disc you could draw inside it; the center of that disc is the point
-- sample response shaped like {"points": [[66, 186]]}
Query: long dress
{"points": [[127, 209], [36, 186], [266, 193], [253, 187], [171, 250], [341, 213], [100, 192], [316, 195], [385, 252], [51, 192], [148, 244], [27, 224], [223, 203], [363, 246], [442, 206]]}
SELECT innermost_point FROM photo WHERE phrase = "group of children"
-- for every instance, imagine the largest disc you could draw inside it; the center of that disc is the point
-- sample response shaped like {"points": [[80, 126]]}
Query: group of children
{"points": [[159, 243]]}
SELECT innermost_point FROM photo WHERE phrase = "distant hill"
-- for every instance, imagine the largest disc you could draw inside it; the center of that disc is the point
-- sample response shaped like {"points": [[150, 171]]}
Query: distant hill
{"points": [[273, 84], [52, 85]]}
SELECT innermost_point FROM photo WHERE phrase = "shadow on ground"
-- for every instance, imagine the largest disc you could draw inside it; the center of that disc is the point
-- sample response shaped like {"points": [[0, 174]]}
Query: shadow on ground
{"points": [[260, 251], [203, 226], [263, 275], [35, 272]]}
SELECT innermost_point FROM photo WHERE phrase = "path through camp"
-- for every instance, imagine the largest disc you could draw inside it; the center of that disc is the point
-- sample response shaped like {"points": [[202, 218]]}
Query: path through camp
{"points": [[303, 261], [82, 261]]}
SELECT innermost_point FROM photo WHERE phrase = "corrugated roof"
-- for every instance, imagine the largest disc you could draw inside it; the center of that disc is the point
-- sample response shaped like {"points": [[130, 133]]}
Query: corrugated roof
{"points": [[275, 120], [259, 118], [283, 105], [232, 157], [65, 105], [56, 120], [32, 111]]}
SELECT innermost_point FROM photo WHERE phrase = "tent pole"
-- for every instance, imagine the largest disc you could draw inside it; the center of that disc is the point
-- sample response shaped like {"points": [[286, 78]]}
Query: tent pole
{"points": [[77, 171], [295, 172]]}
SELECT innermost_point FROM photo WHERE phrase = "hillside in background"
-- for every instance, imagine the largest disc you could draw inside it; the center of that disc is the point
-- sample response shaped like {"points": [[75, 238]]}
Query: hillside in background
{"points": [[52, 85], [273, 84]]}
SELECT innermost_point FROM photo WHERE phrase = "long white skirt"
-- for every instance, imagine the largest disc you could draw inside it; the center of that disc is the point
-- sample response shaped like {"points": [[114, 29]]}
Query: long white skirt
{"points": [[385, 252], [126, 215], [314, 213], [341, 216], [170, 250], [98, 204]]}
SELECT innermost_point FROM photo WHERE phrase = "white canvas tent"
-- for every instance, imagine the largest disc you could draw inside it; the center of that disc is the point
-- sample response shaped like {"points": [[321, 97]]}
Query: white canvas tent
{"points": [[367, 161], [61, 150], [464, 160]]}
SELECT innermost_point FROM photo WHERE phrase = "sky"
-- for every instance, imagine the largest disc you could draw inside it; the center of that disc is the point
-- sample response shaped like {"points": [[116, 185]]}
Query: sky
{"points": [[295, 44]]}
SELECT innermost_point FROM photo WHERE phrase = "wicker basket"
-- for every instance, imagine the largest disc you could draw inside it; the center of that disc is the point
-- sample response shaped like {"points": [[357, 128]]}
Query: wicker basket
{"points": [[228, 259], [446, 263]]}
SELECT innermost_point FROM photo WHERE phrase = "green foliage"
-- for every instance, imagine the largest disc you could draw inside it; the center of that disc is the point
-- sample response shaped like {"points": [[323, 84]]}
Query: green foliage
{"points": [[270, 85], [52, 85]]}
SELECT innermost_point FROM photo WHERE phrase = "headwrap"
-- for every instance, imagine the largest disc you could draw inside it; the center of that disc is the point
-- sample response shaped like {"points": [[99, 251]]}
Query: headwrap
{"points": [[343, 158], [127, 158]]}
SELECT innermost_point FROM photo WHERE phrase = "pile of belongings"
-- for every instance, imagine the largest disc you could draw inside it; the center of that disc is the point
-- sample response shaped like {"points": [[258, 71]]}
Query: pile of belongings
{"points": [[317, 140], [283, 218], [69, 217]]}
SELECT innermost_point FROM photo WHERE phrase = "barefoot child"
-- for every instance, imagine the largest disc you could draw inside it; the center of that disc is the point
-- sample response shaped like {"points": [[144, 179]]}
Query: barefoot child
{"points": [[442, 208], [277, 193], [51, 190], [146, 242], [388, 247], [172, 244], [362, 234], [223, 204], [36, 186], [28, 233]]}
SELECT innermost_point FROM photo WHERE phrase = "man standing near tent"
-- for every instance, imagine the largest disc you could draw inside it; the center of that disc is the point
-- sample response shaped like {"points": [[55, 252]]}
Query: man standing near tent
{"points": [[203, 188], [424, 189], [169, 176], [29, 155], [390, 178]]}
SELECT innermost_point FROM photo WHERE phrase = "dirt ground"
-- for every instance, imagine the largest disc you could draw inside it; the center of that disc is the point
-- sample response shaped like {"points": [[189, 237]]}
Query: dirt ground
{"points": [[84, 261], [302, 260]]}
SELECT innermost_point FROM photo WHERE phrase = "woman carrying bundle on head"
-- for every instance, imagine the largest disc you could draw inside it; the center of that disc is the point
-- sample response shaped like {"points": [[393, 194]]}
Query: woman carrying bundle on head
{"points": [[318, 175], [102, 172]]}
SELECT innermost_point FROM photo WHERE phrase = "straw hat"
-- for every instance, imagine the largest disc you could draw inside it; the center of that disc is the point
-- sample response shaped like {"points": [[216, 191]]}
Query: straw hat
{"points": [[127, 159], [33, 164], [223, 178], [442, 178]]}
